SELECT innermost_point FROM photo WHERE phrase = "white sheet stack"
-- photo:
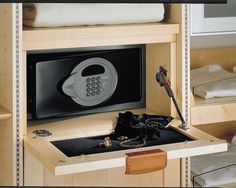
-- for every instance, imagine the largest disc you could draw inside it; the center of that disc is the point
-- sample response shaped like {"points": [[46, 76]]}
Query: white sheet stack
{"points": [[56, 14], [213, 81]]}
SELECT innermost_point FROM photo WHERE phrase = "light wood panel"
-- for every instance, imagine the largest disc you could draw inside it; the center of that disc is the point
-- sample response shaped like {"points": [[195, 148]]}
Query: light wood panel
{"points": [[172, 173], [180, 14], [110, 177], [157, 98], [226, 57], [102, 124], [169, 177], [87, 36], [33, 171], [212, 101], [20, 90], [222, 130], [8, 93], [213, 113], [11, 139], [214, 110], [23, 93], [4, 114]]}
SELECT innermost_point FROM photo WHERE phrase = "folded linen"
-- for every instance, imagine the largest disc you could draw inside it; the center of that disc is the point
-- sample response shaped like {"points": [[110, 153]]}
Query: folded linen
{"points": [[56, 14], [233, 141], [214, 169], [213, 81]]}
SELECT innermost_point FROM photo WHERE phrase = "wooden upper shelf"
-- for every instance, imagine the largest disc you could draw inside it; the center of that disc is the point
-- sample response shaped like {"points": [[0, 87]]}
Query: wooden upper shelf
{"points": [[103, 35], [4, 114], [214, 110]]}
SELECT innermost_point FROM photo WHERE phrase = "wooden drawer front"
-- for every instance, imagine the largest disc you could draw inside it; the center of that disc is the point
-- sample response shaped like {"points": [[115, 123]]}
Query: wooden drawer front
{"points": [[59, 164], [37, 175]]}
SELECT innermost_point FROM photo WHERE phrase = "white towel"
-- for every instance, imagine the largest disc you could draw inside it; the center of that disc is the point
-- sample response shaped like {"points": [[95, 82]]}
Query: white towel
{"points": [[233, 141], [56, 14], [213, 81], [206, 163]]}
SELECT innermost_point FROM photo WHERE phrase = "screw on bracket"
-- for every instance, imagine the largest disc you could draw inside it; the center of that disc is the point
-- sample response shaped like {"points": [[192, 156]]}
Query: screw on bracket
{"points": [[42, 133]]}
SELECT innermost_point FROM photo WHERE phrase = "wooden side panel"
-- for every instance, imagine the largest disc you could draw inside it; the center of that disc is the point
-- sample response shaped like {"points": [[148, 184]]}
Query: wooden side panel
{"points": [[158, 55], [7, 151], [10, 134], [33, 170], [172, 173], [180, 14], [23, 97]]}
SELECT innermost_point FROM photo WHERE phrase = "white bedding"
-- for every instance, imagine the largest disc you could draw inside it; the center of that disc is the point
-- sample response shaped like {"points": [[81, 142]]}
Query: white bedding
{"points": [[213, 81], [222, 165], [55, 14]]}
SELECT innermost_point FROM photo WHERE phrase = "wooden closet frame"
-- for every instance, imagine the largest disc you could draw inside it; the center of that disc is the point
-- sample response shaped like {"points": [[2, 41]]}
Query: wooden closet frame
{"points": [[21, 165]]}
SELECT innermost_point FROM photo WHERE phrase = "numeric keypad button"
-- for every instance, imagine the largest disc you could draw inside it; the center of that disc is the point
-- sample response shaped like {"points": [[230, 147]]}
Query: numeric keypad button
{"points": [[93, 79]]}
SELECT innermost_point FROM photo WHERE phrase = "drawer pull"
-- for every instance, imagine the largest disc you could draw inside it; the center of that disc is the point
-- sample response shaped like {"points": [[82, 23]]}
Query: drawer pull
{"points": [[145, 161]]}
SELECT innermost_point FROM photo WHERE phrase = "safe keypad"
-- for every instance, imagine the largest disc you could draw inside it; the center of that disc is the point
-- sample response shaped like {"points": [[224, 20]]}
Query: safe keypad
{"points": [[93, 86]]}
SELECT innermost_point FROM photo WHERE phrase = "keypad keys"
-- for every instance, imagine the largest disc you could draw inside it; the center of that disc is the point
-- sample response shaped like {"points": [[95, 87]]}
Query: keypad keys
{"points": [[88, 85], [93, 79], [93, 86]]}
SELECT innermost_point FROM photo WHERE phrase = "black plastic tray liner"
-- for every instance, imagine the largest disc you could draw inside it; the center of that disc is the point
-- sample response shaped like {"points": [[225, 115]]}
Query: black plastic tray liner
{"points": [[89, 145]]}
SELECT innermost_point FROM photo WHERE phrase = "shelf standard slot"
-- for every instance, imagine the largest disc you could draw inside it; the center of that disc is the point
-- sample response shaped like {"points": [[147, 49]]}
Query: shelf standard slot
{"points": [[4, 113]]}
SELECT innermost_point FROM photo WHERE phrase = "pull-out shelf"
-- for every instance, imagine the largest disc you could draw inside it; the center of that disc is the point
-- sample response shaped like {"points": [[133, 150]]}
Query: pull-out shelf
{"points": [[103, 124]]}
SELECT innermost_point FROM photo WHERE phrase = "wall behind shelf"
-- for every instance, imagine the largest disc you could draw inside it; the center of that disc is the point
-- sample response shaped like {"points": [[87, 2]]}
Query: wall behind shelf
{"points": [[213, 41]]}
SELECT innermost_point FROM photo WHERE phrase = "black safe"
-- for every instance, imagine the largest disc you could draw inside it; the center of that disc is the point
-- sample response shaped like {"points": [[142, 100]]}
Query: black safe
{"points": [[84, 81]]}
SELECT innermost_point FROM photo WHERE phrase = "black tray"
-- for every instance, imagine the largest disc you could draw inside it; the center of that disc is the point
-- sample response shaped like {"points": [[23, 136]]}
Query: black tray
{"points": [[79, 146]]}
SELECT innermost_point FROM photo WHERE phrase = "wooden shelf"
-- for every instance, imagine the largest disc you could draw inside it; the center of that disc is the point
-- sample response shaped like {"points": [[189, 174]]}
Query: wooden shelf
{"points": [[4, 114], [213, 110], [222, 130], [103, 35], [217, 100], [103, 124]]}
